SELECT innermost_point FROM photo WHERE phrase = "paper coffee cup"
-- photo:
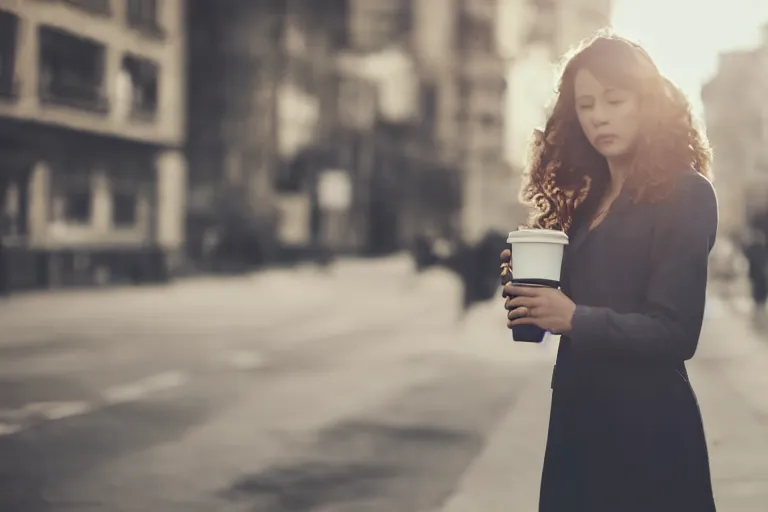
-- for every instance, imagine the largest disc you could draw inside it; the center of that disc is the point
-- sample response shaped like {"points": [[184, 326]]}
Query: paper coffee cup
{"points": [[537, 253], [537, 258]]}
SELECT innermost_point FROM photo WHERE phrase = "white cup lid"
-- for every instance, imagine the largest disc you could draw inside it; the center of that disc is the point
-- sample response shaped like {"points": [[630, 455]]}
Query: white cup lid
{"points": [[529, 235]]}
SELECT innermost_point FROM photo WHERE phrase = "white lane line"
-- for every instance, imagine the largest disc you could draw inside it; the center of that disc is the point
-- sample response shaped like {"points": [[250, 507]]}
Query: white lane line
{"points": [[57, 410], [143, 387], [7, 429], [35, 413], [16, 420]]}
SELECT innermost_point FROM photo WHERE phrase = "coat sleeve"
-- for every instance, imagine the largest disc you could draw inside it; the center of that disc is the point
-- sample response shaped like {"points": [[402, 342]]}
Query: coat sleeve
{"points": [[669, 325]]}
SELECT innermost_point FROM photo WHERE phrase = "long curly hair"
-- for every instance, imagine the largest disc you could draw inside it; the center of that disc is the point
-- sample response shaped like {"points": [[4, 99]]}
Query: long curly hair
{"points": [[566, 178]]}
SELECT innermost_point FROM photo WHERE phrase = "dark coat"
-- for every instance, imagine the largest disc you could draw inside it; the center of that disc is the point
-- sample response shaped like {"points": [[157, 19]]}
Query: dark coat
{"points": [[625, 431]]}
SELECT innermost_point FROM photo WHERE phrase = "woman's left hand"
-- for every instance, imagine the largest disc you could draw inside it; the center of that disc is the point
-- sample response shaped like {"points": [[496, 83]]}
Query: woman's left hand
{"points": [[547, 308]]}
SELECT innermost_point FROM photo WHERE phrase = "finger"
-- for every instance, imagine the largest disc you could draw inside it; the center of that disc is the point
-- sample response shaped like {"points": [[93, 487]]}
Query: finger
{"points": [[506, 256], [518, 313], [526, 320], [516, 302], [525, 291], [529, 302]]}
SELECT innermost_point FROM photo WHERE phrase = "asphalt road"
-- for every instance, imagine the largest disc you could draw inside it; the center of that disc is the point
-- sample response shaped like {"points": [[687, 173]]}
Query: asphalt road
{"points": [[283, 393]]}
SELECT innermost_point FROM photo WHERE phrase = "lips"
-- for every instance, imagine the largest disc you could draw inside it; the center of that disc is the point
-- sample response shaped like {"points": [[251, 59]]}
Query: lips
{"points": [[605, 139]]}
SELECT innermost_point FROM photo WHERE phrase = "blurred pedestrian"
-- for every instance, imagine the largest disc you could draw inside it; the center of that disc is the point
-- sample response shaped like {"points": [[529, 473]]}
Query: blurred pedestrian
{"points": [[477, 269], [755, 248], [473, 263], [621, 168]]}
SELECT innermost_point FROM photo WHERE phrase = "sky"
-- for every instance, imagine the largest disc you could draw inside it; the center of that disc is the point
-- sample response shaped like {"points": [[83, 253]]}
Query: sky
{"points": [[686, 52]]}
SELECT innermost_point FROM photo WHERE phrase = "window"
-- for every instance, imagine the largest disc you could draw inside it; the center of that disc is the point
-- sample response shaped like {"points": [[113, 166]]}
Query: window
{"points": [[14, 187], [429, 103], [124, 208], [71, 193], [9, 25], [71, 205], [77, 206], [143, 91], [335, 17], [488, 120], [477, 35], [145, 16], [71, 70]]}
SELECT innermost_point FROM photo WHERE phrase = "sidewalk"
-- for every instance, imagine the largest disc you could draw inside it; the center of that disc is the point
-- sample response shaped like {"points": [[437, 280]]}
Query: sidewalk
{"points": [[262, 300], [730, 376], [277, 279]]}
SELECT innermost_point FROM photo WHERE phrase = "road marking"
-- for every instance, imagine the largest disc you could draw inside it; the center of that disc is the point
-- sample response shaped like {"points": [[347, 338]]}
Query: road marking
{"points": [[7, 429], [143, 387], [57, 410], [35, 413], [16, 420]]}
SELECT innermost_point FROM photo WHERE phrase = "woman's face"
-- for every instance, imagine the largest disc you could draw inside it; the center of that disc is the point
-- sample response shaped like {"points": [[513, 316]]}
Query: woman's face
{"points": [[609, 116]]}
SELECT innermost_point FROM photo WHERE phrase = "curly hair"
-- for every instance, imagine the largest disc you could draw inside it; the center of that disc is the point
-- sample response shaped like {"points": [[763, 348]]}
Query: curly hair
{"points": [[566, 178]]}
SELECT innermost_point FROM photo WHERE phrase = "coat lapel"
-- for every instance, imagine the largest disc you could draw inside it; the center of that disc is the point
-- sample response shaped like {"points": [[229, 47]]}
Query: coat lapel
{"points": [[582, 233]]}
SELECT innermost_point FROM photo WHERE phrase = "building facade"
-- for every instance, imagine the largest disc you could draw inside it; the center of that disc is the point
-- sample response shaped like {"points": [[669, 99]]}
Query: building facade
{"points": [[332, 114], [92, 126], [263, 93], [357, 125], [481, 95], [736, 114]]}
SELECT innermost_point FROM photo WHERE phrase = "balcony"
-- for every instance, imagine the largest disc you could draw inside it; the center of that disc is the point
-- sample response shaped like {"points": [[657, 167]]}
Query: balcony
{"points": [[99, 7], [9, 25], [144, 16], [71, 71]]}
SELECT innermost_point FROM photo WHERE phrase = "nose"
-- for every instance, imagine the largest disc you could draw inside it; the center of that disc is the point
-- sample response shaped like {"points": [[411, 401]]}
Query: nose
{"points": [[599, 115]]}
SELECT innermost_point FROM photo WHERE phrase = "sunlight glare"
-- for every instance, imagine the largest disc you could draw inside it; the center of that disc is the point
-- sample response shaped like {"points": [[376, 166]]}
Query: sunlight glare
{"points": [[684, 37]]}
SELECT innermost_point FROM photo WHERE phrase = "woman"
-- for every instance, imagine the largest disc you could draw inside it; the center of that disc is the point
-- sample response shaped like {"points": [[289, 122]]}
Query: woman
{"points": [[622, 169]]}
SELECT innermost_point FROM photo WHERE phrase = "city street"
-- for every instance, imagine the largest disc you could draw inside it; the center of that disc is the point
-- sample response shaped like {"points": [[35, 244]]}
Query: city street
{"points": [[353, 389]]}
